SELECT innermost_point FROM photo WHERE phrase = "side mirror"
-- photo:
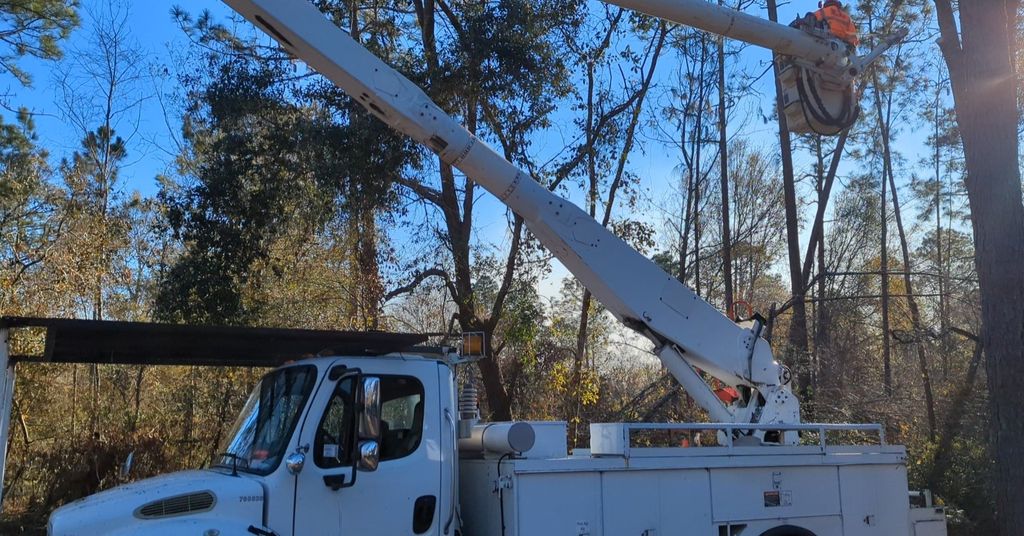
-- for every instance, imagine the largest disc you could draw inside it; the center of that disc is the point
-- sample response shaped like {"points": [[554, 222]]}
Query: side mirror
{"points": [[366, 443], [369, 455], [294, 462], [369, 417]]}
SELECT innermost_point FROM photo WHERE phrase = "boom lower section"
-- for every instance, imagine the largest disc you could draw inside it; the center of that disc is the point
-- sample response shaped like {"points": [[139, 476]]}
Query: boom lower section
{"points": [[631, 286]]}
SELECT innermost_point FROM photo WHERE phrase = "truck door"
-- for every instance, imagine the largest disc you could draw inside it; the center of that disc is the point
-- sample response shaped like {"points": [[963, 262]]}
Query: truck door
{"points": [[403, 494]]}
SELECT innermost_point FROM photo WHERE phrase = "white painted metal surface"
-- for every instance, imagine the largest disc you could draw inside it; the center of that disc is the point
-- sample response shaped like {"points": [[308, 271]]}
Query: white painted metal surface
{"points": [[499, 438], [551, 440], [238, 503], [867, 509], [690, 491], [614, 439], [381, 502], [829, 489], [928, 521]]}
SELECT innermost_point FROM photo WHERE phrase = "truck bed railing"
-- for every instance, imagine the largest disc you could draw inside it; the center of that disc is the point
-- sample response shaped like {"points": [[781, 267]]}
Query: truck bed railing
{"points": [[617, 439]]}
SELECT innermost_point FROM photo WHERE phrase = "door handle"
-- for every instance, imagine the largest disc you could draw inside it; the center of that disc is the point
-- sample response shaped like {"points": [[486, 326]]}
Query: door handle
{"points": [[455, 442], [423, 513]]}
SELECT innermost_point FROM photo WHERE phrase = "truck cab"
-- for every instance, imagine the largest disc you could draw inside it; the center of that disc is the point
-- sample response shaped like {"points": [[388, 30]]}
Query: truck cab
{"points": [[328, 445]]}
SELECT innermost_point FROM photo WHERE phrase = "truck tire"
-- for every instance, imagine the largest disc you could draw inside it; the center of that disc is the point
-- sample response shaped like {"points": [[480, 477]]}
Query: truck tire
{"points": [[788, 530]]}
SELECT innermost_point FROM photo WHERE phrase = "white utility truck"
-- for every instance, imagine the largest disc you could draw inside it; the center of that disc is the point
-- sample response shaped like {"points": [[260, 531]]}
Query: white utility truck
{"points": [[381, 442]]}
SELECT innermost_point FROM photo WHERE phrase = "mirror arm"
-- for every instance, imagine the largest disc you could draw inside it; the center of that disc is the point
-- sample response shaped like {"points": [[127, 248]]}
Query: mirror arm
{"points": [[336, 482], [353, 449]]}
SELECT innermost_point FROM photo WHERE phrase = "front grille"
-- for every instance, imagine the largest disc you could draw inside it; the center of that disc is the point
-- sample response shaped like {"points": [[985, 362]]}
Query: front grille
{"points": [[175, 506]]}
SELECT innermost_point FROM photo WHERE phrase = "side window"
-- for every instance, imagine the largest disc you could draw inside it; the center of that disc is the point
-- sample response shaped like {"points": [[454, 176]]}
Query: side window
{"points": [[401, 421], [333, 440], [401, 416]]}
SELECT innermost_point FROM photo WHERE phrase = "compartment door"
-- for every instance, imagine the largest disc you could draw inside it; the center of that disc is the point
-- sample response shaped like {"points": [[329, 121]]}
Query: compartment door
{"points": [[875, 500]]}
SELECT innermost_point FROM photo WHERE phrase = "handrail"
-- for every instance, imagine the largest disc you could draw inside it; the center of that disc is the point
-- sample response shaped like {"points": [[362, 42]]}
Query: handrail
{"points": [[455, 467], [614, 438]]}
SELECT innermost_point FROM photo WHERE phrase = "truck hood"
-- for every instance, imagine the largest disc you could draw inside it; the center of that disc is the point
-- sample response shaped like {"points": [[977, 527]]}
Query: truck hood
{"points": [[148, 505]]}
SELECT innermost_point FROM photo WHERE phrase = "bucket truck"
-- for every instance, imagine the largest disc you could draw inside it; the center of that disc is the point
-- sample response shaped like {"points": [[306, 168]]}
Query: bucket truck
{"points": [[382, 442]]}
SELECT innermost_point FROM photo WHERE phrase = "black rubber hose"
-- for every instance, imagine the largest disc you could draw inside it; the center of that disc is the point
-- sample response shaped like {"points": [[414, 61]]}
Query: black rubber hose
{"points": [[819, 112]]}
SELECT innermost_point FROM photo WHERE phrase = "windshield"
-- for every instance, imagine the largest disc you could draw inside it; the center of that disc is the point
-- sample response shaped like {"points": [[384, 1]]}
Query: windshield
{"points": [[259, 438]]}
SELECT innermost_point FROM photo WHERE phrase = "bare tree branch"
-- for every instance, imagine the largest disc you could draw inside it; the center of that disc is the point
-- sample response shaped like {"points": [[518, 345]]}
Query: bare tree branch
{"points": [[417, 280], [510, 267]]}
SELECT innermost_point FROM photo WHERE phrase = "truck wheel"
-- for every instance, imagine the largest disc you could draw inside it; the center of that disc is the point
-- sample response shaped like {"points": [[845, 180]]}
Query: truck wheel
{"points": [[788, 530]]}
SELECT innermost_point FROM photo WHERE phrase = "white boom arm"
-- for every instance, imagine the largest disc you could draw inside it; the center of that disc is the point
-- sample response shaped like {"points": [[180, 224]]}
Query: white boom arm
{"points": [[687, 330], [738, 25]]}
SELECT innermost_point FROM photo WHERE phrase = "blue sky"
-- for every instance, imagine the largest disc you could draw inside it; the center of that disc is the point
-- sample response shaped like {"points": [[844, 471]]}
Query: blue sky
{"points": [[157, 36], [151, 149]]}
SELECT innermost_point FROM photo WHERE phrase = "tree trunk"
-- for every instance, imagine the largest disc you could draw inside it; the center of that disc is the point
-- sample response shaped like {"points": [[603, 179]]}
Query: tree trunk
{"points": [[498, 401], [698, 141], [984, 91], [723, 159], [74, 402], [371, 290], [817, 244], [824, 194], [24, 425], [915, 313], [828, 367], [940, 267], [94, 386], [915, 316], [190, 413], [797, 349], [458, 219], [684, 238], [579, 358], [954, 420], [140, 374], [883, 270]]}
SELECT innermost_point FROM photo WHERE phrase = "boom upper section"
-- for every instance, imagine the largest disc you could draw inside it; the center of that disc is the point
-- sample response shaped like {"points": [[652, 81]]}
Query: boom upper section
{"points": [[688, 331], [728, 22]]}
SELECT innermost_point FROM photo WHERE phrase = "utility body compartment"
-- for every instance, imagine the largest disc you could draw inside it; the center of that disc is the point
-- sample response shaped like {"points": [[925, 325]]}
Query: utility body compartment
{"points": [[700, 491]]}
